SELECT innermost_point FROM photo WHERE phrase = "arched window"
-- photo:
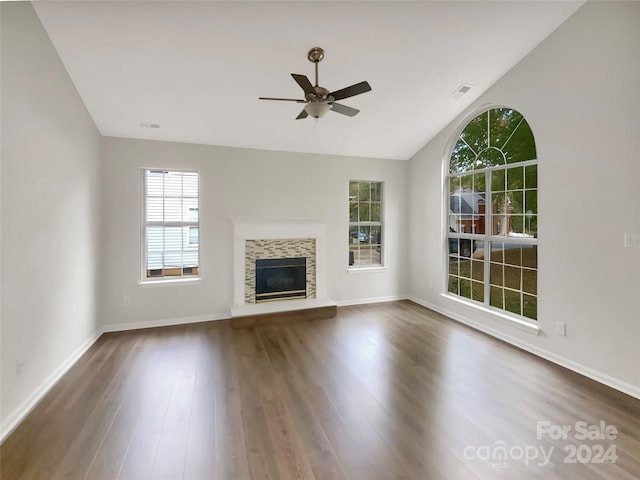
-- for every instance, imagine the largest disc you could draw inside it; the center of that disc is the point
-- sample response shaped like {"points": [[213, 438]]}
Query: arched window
{"points": [[492, 187]]}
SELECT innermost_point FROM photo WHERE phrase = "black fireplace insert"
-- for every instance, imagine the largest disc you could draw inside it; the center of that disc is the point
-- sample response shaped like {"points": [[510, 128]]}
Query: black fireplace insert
{"points": [[281, 278]]}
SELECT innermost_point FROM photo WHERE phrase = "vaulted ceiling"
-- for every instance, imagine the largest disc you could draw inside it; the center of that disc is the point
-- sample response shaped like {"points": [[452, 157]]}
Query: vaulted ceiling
{"points": [[197, 68]]}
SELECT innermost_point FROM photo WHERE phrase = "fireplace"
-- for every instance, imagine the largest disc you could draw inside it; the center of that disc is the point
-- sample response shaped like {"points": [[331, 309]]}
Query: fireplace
{"points": [[282, 250], [280, 278], [269, 239]]}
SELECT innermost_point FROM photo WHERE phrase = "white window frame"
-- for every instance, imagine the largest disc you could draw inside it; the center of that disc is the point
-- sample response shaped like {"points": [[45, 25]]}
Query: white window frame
{"points": [[373, 266], [487, 238], [189, 223]]}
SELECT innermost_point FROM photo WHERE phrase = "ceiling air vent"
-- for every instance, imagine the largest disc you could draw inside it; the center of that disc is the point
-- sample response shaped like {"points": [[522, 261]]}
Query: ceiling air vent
{"points": [[149, 125], [459, 93]]}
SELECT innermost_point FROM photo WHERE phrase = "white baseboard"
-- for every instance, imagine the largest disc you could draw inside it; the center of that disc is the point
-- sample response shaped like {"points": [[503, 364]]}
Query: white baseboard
{"points": [[600, 377], [14, 419], [120, 327], [364, 301]]}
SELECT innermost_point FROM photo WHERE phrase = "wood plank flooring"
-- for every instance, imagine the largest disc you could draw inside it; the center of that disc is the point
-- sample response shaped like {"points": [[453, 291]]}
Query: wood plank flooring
{"points": [[385, 391]]}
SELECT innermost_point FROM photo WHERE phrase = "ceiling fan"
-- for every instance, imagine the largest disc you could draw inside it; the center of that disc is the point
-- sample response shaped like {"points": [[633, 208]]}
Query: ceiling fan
{"points": [[318, 99]]}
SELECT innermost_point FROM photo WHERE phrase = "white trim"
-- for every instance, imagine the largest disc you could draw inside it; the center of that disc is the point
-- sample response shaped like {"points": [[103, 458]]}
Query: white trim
{"points": [[364, 301], [28, 404], [170, 282], [616, 384], [120, 327], [367, 269], [497, 314]]}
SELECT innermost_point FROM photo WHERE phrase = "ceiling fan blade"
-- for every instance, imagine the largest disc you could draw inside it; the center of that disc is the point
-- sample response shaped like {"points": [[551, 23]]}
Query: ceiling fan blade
{"points": [[351, 91], [303, 81], [302, 114], [283, 99], [343, 109]]}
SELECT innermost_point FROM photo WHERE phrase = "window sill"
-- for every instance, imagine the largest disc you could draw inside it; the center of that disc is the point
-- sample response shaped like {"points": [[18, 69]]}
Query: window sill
{"points": [[174, 282], [521, 324], [371, 269]]}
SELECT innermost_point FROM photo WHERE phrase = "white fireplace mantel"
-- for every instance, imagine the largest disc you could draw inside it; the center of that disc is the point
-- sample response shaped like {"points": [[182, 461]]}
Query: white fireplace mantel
{"points": [[270, 229]]}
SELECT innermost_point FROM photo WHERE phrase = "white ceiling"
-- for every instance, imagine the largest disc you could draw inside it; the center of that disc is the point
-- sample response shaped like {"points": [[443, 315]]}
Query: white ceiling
{"points": [[197, 68]]}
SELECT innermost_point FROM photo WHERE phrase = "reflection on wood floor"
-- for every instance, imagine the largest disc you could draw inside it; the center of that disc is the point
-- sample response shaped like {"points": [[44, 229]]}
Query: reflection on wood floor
{"points": [[385, 391]]}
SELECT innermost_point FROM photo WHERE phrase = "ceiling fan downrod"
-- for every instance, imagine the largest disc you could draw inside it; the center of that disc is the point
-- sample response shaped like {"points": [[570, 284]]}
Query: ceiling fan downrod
{"points": [[315, 55]]}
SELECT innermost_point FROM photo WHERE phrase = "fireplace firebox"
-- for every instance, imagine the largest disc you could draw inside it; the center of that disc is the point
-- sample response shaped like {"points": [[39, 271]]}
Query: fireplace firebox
{"points": [[281, 279]]}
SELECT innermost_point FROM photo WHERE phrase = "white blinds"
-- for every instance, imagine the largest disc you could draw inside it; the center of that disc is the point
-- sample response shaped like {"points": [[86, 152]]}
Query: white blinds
{"points": [[171, 223]]}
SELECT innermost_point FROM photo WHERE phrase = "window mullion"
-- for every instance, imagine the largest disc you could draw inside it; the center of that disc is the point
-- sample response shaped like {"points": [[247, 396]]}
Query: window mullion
{"points": [[160, 223], [488, 219], [489, 128], [514, 131], [496, 167]]}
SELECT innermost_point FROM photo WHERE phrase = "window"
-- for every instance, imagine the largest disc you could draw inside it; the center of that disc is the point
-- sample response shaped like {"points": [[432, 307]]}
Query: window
{"points": [[365, 223], [492, 186], [171, 224]]}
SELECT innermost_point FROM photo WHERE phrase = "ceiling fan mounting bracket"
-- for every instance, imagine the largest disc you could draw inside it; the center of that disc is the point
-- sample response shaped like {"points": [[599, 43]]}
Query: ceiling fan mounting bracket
{"points": [[315, 55]]}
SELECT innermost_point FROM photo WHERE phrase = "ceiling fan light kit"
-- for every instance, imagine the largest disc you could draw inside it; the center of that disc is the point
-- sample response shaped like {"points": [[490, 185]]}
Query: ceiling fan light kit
{"points": [[317, 109], [318, 99]]}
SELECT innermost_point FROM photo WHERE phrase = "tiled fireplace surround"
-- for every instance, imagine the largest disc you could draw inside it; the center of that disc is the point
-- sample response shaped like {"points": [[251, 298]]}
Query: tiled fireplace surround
{"points": [[278, 248], [266, 238]]}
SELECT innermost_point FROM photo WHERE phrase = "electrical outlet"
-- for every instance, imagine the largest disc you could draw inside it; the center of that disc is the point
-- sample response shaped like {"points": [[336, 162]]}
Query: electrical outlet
{"points": [[127, 300], [336, 284], [561, 329], [632, 240], [19, 365]]}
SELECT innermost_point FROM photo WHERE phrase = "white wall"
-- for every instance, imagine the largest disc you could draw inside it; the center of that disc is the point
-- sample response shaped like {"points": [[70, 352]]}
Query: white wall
{"points": [[50, 195], [580, 92], [240, 183]]}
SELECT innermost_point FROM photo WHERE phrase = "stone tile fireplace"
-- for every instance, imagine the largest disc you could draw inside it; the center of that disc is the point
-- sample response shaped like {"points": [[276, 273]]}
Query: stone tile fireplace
{"points": [[266, 239], [279, 249]]}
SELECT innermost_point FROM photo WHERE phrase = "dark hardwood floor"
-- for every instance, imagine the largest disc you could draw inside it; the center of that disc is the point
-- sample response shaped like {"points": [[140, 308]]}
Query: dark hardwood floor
{"points": [[386, 391]]}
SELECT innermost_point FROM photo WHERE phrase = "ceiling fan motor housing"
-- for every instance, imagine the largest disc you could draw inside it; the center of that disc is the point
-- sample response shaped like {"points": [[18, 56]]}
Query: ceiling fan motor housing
{"points": [[319, 94]]}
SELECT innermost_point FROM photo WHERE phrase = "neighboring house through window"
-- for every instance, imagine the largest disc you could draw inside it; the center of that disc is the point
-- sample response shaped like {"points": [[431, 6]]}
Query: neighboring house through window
{"points": [[171, 224], [194, 232], [492, 211], [365, 223]]}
